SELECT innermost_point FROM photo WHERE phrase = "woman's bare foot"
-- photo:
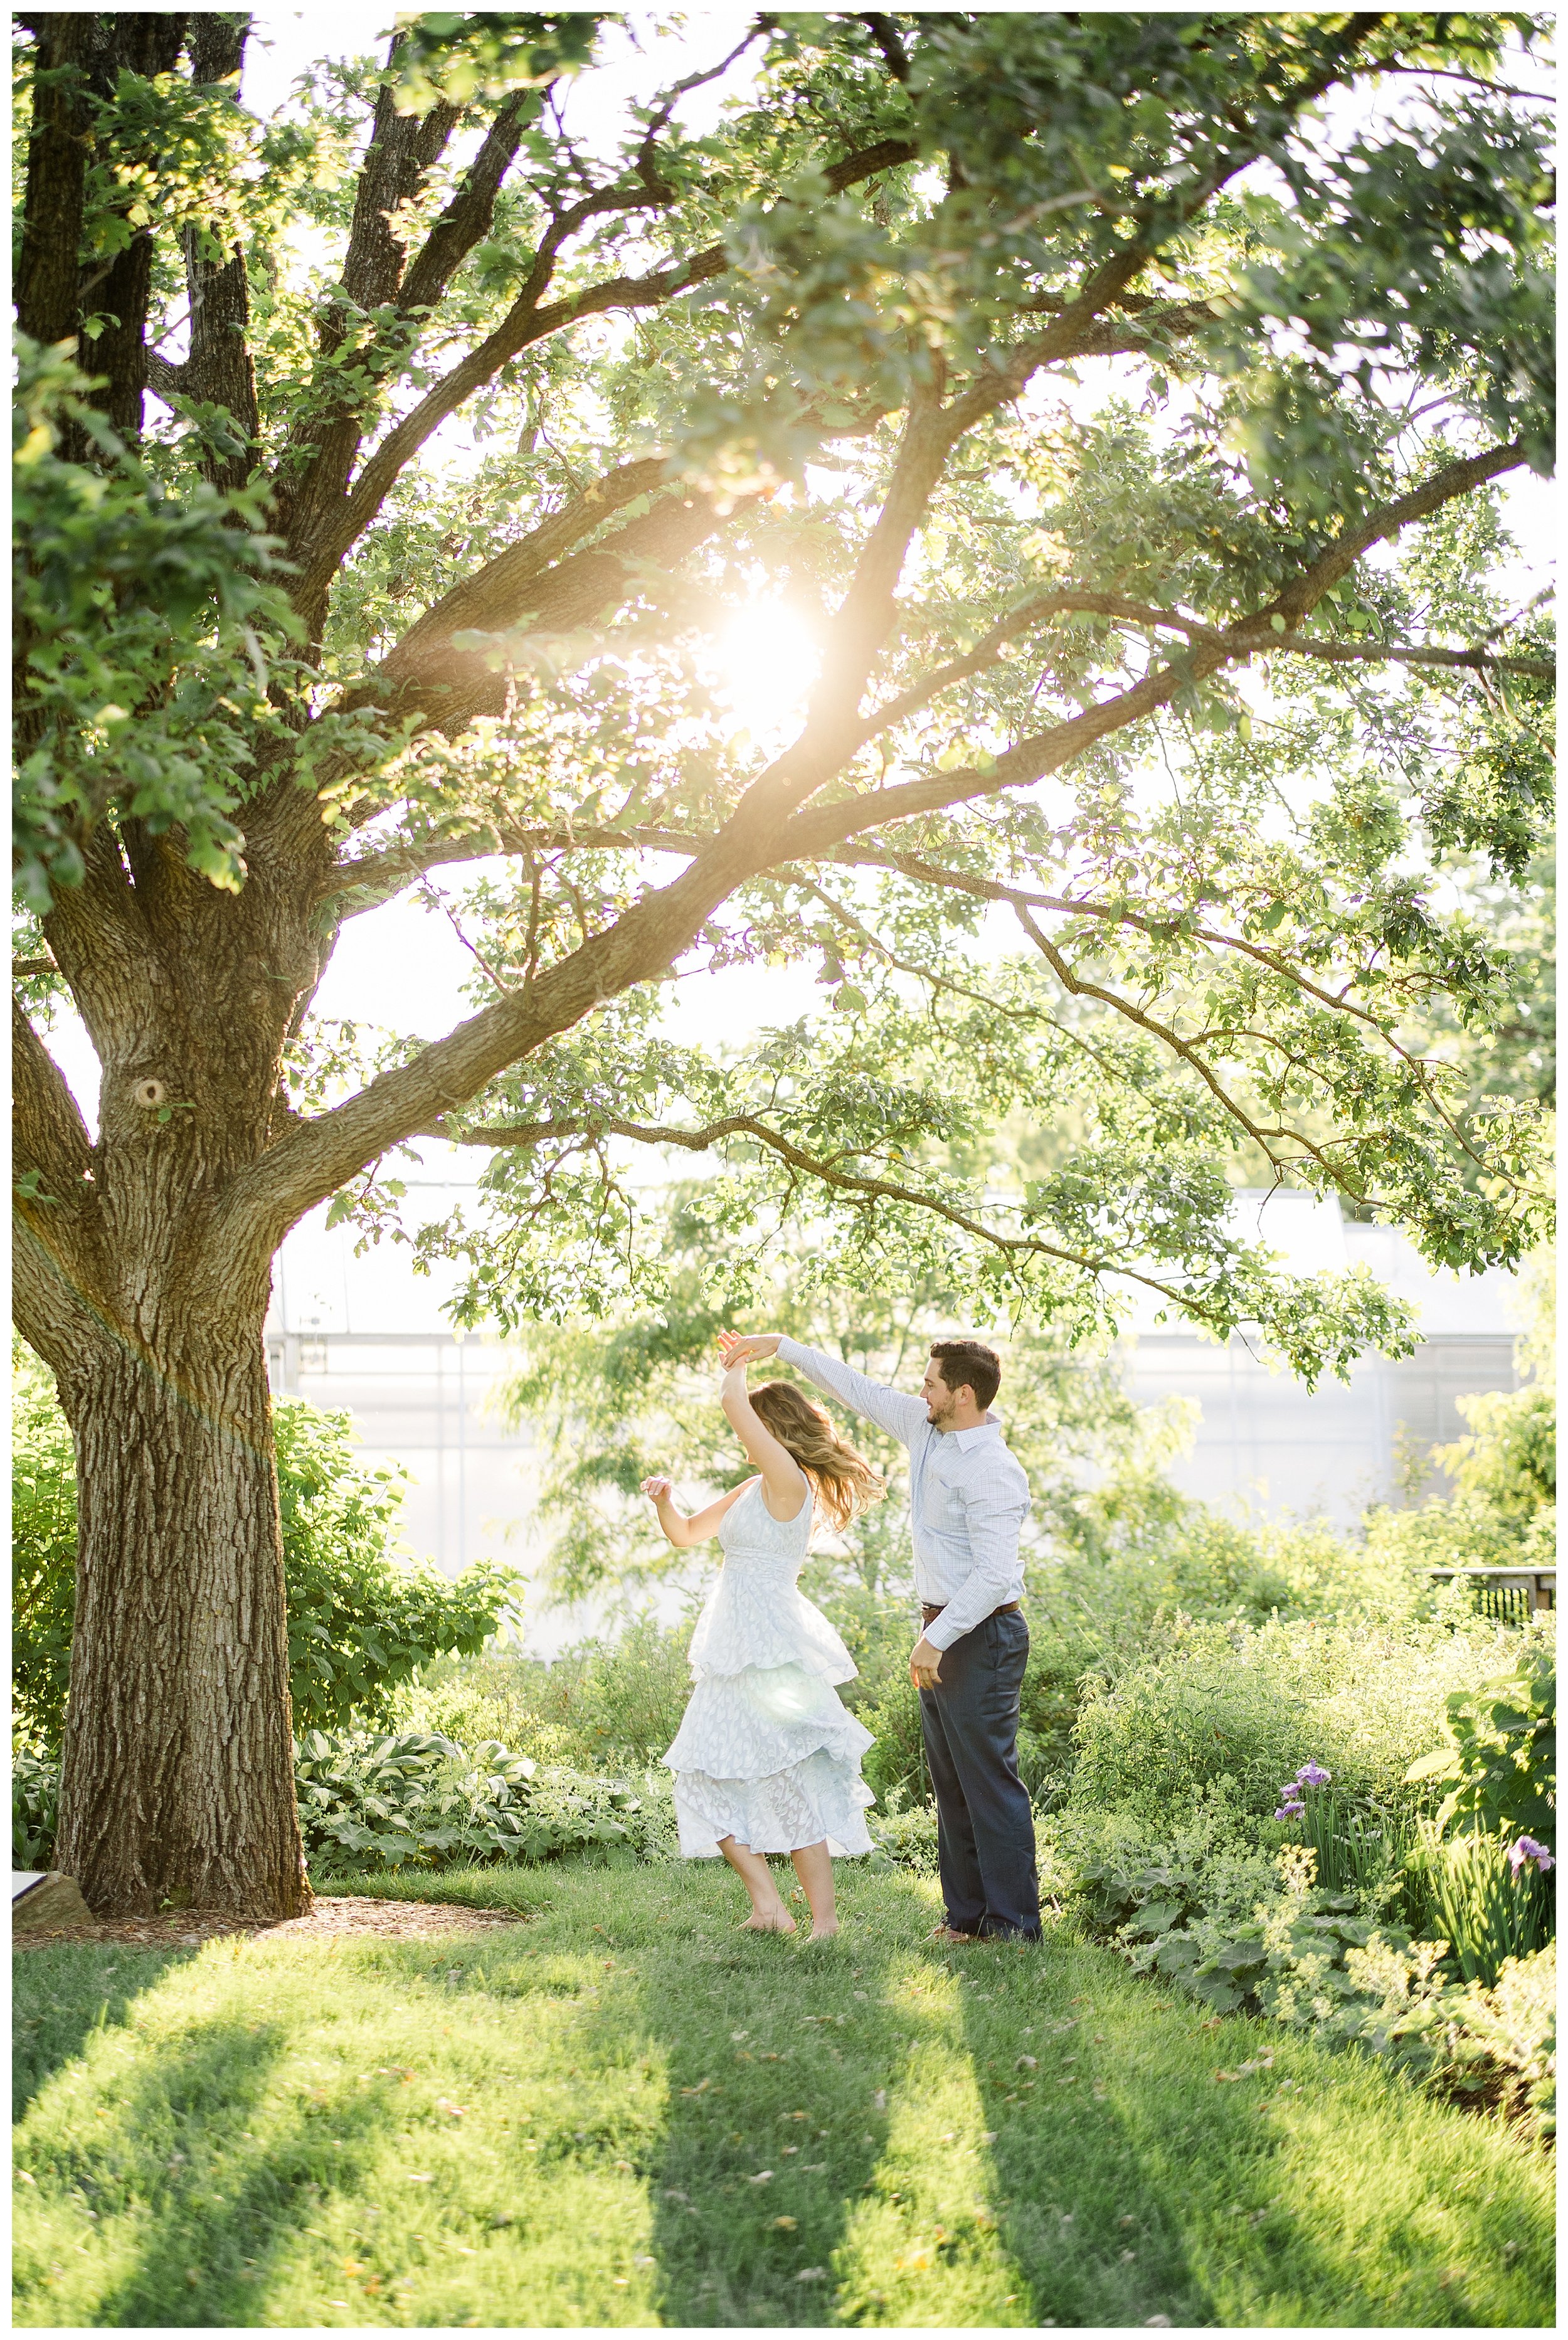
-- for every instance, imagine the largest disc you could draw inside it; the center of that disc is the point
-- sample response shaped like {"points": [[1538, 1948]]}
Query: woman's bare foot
{"points": [[772, 1921], [824, 1933]]}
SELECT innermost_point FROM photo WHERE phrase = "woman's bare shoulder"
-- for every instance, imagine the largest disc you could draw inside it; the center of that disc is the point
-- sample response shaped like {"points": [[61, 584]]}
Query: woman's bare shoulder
{"points": [[797, 1501]]}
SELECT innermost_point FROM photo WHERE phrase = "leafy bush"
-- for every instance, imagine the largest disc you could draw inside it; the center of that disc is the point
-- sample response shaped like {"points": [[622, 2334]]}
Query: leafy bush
{"points": [[905, 1833], [1509, 1461], [1504, 1514], [43, 1553], [616, 1703], [362, 1622], [1489, 1904], [1500, 1762], [418, 1799], [1506, 2040], [1356, 1847], [895, 1765], [1244, 1933], [1126, 1884], [1227, 1712], [35, 1809]]}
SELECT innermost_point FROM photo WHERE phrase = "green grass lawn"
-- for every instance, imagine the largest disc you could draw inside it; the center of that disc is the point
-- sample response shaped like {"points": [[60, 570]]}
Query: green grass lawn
{"points": [[628, 2112]]}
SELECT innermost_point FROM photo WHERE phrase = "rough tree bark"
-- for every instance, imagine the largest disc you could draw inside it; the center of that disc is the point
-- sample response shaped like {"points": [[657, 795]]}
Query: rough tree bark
{"points": [[178, 1769], [178, 1762]]}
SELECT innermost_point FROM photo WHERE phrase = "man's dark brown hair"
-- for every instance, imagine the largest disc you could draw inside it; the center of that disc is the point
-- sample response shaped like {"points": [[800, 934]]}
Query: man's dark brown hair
{"points": [[970, 1361]]}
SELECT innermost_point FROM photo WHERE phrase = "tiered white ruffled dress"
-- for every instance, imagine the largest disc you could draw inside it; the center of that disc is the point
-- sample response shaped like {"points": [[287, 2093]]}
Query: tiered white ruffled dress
{"points": [[767, 1751]]}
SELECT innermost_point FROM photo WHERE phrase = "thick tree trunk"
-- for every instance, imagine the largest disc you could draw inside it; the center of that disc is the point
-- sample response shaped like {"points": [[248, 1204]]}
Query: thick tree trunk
{"points": [[178, 1774]]}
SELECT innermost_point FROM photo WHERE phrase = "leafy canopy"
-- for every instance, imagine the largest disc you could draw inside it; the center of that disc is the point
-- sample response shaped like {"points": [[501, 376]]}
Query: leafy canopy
{"points": [[1106, 412]]}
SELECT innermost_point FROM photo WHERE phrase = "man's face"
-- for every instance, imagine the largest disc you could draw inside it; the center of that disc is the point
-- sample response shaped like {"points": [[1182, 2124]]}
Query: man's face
{"points": [[941, 1402]]}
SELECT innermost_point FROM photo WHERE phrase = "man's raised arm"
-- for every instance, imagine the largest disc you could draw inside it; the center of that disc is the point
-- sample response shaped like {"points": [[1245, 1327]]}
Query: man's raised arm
{"points": [[888, 1408]]}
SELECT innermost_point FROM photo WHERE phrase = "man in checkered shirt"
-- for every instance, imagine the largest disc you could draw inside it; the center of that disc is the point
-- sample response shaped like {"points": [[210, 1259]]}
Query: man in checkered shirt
{"points": [[968, 1500]]}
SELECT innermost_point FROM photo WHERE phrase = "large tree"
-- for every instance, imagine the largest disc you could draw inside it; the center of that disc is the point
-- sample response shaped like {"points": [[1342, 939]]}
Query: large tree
{"points": [[1116, 400]]}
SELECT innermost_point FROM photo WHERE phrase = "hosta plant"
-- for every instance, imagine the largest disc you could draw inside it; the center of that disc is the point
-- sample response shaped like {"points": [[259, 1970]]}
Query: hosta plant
{"points": [[418, 1799]]}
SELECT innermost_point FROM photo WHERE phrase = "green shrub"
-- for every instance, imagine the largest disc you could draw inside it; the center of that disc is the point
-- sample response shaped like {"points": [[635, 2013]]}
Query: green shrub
{"points": [[1509, 1461], [617, 1702], [906, 1833], [35, 1808], [1505, 2040], [1124, 1883], [362, 1622], [1500, 1762], [1504, 1514], [1226, 1714], [895, 1764], [1247, 1933], [1356, 1847], [43, 1552], [418, 1799], [1488, 1904]]}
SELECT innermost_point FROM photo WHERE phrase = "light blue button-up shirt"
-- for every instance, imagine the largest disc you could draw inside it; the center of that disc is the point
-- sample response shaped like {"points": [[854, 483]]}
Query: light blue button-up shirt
{"points": [[969, 1497]]}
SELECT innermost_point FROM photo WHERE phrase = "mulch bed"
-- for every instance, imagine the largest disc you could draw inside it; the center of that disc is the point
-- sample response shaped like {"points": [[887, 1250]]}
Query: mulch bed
{"points": [[334, 1918]]}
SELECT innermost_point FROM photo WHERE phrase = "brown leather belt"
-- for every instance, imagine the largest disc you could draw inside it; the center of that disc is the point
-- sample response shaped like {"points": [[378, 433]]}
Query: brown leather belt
{"points": [[930, 1615]]}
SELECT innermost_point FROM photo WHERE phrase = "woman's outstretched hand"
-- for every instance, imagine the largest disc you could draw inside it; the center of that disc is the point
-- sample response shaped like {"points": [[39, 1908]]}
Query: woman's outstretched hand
{"points": [[659, 1491], [746, 1348]]}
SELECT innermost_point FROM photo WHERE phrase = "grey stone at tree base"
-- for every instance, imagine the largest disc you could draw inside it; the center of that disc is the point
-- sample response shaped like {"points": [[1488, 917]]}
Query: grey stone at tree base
{"points": [[46, 1899]]}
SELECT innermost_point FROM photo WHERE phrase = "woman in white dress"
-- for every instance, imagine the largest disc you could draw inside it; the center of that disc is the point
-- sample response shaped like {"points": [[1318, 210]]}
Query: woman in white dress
{"points": [[766, 1759]]}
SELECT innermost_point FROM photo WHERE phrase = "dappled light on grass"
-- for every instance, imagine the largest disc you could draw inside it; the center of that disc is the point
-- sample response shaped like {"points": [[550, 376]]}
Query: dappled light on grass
{"points": [[625, 2112]]}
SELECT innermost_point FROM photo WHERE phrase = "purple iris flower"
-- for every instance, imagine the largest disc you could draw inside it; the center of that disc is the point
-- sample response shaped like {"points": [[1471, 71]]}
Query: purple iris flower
{"points": [[1526, 1850], [1313, 1775]]}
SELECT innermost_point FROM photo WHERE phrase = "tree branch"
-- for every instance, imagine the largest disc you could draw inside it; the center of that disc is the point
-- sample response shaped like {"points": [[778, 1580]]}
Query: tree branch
{"points": [[1319, 646], [218, 368], [884, 33], [313, 1160], [527, 322], [53, 1262], [829, 1174], [1022, 901], [50, 1134], [467, 218], [493, 596], [369, 879], [48, 264], [452, 687], [812, 834]]}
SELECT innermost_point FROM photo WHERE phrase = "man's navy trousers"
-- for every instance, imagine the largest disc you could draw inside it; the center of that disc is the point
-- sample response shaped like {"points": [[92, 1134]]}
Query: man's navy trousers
{"points": [[984, 1829]]}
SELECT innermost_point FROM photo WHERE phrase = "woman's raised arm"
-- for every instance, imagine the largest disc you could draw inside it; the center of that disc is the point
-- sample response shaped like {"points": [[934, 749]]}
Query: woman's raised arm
{"points": [[785, 1486]]}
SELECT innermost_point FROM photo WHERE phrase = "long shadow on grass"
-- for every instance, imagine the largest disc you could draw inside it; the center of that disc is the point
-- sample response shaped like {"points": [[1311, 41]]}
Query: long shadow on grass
{"points": [[59, 1998], [1084, 2210], [1130, 2185], [776, 2052], [217, 2215]]}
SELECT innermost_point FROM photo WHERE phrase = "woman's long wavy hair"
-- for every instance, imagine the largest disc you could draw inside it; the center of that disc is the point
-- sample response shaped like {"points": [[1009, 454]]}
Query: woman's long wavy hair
{"points": [[842, 1481]]}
